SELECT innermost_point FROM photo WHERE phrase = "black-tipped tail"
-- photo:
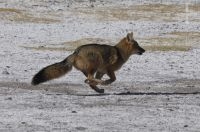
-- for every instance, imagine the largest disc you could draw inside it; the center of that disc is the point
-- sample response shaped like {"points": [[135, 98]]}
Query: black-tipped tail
{"points": [[39, 78], [53, 71]]}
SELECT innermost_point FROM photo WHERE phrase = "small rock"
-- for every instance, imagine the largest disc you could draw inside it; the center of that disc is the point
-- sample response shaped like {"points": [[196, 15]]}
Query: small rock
{"points": [[92, 6], [5, 72], [41, 46], [180, 72], [60, 10], [190, 86], [9, 98], [80, 128], [46, 89], [74, 112], [185, 125]]}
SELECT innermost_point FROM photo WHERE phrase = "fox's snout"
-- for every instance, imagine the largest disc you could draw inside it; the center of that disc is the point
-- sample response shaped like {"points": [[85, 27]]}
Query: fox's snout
{"points": [[136, 48], [140, 51]]}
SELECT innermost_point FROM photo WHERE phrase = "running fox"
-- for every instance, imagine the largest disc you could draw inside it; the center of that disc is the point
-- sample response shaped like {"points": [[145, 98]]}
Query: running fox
{"points": [[93, 59]]}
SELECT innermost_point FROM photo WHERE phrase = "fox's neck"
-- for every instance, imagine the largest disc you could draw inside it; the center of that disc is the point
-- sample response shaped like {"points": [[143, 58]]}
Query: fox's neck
{"points": [[123, 49]]}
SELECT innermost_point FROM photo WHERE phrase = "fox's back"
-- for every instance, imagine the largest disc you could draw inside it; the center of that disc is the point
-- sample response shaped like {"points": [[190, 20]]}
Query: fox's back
{"points": [[96, 52]]}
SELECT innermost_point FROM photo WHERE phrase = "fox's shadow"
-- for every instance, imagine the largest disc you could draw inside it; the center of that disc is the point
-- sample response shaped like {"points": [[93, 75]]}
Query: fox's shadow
{"points": [[78, 90], [140, 93]]}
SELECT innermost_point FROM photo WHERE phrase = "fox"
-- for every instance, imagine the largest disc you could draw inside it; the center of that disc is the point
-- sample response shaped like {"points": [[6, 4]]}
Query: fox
{"points": [[94, 61]]}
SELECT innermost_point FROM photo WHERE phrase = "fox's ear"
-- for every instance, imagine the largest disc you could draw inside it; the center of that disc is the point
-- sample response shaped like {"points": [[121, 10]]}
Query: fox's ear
{"points": [[130, 36]]}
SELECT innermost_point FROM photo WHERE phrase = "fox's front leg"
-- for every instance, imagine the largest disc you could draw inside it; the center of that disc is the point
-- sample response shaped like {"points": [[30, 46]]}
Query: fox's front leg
{"points": [[112, 76]]}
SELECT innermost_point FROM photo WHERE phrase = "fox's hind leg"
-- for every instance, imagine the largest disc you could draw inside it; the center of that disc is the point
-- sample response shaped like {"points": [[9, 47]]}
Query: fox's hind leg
{"points": [[91, 80], [94, 87], [92, 83]]}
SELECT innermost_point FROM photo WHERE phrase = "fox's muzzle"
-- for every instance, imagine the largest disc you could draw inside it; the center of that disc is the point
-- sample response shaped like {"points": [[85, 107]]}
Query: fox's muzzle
{"points": [[141, 51]]}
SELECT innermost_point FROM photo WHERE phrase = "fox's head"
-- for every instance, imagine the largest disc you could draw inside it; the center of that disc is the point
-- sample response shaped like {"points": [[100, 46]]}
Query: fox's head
{"points": [[133, 45]]}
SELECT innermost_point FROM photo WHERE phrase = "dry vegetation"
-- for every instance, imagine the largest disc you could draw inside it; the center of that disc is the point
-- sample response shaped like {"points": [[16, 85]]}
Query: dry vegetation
{"points": [[71, 45], [150, 12], [167, 48], [27, 17], [175, 41], [179, 41], [147, 48], [10, 10]]}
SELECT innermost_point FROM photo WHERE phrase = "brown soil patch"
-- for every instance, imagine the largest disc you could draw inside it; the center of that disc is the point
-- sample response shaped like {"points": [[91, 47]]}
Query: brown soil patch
{"points": [[148, 12], [27, 17]]}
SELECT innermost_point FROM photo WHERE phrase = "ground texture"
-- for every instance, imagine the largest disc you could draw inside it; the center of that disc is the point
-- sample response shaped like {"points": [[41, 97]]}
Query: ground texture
{"points": [[158, 91]]}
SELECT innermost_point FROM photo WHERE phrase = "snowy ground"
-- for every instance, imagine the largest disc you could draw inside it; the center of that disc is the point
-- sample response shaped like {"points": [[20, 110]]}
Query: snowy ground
{"points": [[158, 91]]}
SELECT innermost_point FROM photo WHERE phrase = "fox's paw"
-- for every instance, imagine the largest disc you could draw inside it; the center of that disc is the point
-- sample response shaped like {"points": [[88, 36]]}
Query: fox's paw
{"points": [[99, 90]]}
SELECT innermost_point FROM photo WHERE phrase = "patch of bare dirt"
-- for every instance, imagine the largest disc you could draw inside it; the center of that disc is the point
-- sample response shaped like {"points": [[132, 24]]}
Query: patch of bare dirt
{"points": [[18, 15], [148, 12]]}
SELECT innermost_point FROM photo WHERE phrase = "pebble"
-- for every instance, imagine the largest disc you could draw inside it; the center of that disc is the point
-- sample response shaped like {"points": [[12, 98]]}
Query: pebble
{"points": [[5, 72]]}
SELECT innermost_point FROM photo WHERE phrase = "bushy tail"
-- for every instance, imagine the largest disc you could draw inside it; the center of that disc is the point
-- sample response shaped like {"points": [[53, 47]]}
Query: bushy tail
{"points": [[53, 71]]}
